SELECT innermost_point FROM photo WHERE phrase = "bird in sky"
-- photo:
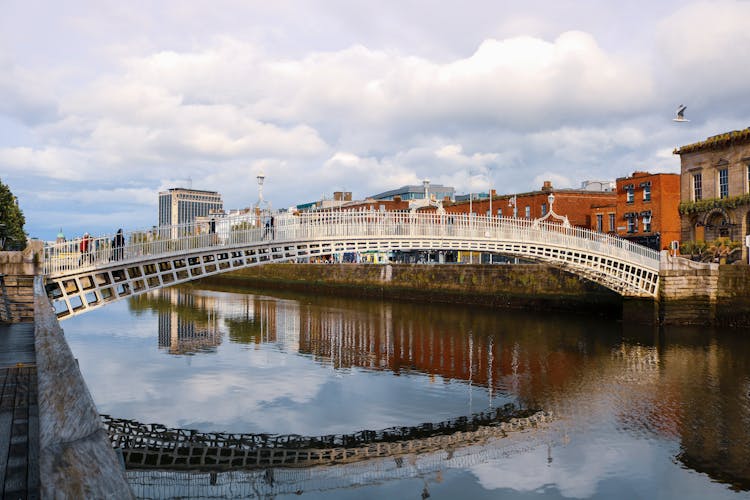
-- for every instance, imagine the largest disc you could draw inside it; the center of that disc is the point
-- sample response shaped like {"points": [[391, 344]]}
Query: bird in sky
{"points": [[680, 114]]}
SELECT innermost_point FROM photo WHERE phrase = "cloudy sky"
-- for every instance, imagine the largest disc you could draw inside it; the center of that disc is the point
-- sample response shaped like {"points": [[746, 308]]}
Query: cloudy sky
{"points": [[103, 104]]}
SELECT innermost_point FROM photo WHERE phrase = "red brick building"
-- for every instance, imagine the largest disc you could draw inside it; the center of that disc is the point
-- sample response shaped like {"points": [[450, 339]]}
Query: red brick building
{"points": [[576, 204], [647, 209]]}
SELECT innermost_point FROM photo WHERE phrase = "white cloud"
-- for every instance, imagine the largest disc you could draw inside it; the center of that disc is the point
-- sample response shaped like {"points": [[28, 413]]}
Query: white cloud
{"points": [[494, 101], [703, 48]]}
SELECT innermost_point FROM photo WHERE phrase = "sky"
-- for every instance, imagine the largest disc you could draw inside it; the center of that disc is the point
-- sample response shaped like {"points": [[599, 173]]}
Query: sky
{"points": [[104, 104]]}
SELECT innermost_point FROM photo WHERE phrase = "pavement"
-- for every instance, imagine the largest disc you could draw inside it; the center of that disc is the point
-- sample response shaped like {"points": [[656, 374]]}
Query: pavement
{"points": [[19, 413]]}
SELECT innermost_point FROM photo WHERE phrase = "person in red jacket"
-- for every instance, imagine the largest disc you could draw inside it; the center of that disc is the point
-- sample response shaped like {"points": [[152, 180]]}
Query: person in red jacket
{"points": [[85, 249]]}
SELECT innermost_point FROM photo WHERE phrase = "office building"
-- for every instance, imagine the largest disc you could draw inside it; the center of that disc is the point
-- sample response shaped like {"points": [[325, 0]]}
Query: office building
{"points": [[182, 206]]}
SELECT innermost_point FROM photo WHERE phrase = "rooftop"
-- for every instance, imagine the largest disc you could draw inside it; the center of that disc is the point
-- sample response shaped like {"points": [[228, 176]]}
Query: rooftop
{"points": [[716, 141]]}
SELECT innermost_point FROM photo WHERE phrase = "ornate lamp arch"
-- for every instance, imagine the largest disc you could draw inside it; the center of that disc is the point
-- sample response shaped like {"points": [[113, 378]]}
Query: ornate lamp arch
{"points": [[551, 214]]}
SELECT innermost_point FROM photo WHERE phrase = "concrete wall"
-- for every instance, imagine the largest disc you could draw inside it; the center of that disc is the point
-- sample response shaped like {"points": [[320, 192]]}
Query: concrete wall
{"points": [[521, 286], [76, 459]]}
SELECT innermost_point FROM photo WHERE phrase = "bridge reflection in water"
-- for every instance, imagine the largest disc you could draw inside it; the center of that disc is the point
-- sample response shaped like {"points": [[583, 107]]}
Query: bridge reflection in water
{"points": [[680, 386]]}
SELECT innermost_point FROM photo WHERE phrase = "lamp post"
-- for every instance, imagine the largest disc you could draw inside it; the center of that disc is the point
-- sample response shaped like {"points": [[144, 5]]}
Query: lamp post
{"points": [[260, 178]]}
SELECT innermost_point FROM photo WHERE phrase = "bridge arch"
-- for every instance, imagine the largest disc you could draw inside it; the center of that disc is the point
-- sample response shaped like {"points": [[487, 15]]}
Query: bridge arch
{"points": [[78, 282]]}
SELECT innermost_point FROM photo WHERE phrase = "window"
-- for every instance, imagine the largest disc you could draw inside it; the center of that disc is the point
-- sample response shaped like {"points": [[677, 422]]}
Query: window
{"points": [[633, 225], [647, 193], [697, 187], [612, 222], [646, 223], [599, 222], [528, 212], [629, 196], [544, 209], [748, 178], [499, 212], [723, 183]]}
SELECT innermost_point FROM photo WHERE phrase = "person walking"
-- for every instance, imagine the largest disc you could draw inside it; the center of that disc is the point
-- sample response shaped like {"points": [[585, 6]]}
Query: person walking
{"points": [[85, 248], [118, 245]]}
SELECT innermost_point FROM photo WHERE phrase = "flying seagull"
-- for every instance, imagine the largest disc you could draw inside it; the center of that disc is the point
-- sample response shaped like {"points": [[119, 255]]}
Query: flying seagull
{"points": [[680, 114]]}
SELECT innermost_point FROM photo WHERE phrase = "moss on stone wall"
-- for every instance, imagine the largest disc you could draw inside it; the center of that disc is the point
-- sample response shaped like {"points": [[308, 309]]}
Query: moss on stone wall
{"points": [[517, 286]]}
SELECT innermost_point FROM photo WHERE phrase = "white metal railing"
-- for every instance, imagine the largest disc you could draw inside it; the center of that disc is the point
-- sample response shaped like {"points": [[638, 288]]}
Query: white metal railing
{"points": [[71, 257]]}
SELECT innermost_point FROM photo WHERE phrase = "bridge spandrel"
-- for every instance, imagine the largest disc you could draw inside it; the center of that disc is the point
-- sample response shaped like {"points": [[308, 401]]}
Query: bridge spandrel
{"points": [[81, 281]]}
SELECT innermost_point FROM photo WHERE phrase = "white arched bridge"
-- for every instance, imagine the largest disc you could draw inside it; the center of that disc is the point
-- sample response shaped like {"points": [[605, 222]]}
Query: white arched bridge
{"points": [[108, 268]]}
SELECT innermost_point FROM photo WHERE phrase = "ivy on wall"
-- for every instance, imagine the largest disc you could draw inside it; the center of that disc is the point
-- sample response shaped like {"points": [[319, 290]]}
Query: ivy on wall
{"points": [[696, 207]]}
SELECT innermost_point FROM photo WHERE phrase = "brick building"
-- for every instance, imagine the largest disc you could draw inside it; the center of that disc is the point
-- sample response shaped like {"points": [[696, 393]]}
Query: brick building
{"points": [[647, 209], [715, 188], [576, 204]]}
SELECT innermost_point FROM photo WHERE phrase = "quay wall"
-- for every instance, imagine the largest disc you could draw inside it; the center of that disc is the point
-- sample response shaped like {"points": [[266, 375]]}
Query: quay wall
{"points": [[16, 287], [533, 286], [693, 293], [733, 296], [76, 459]]}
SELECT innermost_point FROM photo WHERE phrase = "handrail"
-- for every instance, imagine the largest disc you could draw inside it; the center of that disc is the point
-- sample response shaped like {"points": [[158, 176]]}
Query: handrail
{"points": [[102, 251]]}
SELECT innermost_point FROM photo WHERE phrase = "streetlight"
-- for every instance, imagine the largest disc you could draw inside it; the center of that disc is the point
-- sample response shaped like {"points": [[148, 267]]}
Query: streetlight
{"points": [[260, 178]]}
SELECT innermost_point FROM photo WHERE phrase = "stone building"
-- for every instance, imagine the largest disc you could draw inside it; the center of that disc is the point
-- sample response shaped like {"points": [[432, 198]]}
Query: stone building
{"points": [[715, 188]]}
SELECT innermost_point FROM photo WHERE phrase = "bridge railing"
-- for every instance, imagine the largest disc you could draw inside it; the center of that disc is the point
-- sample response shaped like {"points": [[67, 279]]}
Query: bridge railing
{"points": [[135, 246]]}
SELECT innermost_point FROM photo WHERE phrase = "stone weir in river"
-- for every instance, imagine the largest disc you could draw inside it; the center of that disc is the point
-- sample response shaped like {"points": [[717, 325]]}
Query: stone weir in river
{"points": [[153, 446]]}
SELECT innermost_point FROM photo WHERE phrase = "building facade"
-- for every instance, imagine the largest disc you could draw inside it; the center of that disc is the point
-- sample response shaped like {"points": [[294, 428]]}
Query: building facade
{"points": [[647, 209], [407, 193], [715, 188], [182, 206], [575, 204]]}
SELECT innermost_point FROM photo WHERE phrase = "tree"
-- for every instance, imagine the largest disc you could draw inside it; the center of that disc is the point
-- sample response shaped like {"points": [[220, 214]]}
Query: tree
{"points": [[12, 235]]}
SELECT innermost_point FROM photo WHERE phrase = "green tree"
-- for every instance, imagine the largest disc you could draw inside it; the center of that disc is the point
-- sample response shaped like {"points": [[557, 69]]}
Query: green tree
{"points": [[12, 235]]}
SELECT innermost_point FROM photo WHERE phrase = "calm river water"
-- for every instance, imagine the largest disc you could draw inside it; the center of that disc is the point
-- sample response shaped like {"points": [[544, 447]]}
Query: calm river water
{"points": [[639, 412]]}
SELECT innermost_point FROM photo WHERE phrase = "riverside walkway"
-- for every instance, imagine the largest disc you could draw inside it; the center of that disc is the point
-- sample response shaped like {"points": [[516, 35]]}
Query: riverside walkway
{"points": [[19, 412]]}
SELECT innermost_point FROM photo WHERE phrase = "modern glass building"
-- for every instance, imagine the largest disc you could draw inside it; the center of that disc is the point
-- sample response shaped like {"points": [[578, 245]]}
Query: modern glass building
{"points": [[180, 206], [417, 193]]}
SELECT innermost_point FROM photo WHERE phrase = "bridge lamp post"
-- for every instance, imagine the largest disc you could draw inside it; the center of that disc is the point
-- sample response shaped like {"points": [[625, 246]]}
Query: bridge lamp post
{"points": [[260, 178]]}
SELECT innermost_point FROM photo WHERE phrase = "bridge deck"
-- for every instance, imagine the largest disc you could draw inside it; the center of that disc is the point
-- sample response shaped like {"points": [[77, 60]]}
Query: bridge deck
{"points": [[19, 413]]}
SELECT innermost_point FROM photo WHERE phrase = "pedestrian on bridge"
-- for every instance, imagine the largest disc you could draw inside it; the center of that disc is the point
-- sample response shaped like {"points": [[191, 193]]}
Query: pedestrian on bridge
{"points": [[85, 248], [118, 245]]}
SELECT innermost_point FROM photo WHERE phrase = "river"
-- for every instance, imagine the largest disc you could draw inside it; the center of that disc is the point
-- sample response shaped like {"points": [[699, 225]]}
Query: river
{"points": [[639, 412]]}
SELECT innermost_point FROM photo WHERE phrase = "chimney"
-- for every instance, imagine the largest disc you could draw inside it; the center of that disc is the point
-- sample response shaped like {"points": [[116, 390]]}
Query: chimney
{"points": [[338, 196], [547, 186], [347, 196]]}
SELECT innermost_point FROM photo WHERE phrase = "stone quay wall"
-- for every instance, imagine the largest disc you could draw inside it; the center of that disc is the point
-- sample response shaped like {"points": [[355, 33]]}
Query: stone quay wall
{"points": [[690, 293], [704, 294], [16, 287], [76, 459], [510, 286]]}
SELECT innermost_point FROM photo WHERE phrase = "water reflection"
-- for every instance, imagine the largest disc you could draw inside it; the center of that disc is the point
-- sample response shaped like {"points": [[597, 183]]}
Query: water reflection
{"points": [[632, 401]]}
